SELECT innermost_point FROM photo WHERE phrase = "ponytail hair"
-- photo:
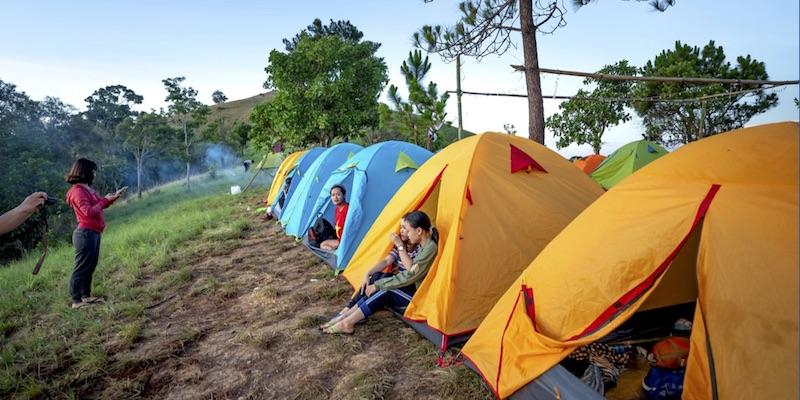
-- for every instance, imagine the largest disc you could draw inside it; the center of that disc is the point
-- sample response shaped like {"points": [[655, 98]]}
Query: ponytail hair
{"points": [[418, 219]]}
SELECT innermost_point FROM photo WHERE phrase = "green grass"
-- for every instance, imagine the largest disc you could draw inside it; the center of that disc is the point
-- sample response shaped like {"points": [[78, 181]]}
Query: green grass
{"points": [[50, 350]]}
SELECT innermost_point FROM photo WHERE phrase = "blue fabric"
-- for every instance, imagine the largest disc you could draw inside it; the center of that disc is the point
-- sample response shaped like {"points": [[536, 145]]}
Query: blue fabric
{"points": [[663, 384], [297, 211], [299, 170], [370, 180]]}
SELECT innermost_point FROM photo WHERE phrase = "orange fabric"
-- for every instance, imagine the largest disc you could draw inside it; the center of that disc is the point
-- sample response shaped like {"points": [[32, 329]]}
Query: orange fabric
{"points": [[745, 269], [589, 163]]}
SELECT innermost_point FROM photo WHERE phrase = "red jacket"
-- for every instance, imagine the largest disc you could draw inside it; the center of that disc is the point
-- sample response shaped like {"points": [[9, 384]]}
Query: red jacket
{"points": [[88, 206], [339, 216]]}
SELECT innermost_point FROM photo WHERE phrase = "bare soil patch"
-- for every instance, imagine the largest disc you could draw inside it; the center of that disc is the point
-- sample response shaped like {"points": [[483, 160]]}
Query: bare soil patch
{"points": [[244, 325]]}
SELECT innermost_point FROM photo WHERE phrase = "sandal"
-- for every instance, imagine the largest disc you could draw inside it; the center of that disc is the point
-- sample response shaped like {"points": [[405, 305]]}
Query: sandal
{"points": [[335, 330], [93, 300], [331, 322]]}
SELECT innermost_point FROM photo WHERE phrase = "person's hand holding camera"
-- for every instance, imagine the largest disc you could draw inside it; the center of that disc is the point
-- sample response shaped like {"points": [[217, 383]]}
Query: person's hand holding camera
{"points": [[32, 202], [18, 215]]}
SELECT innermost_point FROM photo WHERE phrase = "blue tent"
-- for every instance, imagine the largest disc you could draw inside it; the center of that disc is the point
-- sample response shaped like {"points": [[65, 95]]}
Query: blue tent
{"points": [[297, 211], [296, 174], [370, 178]]}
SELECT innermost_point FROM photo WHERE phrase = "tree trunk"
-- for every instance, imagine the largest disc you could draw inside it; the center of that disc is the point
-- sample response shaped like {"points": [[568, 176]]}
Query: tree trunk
{"points": [[188, 154], [533, 82], [139, 177]]}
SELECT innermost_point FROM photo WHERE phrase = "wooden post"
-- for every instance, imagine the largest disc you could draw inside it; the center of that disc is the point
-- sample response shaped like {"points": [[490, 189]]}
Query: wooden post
{"points": [[458, 95]]}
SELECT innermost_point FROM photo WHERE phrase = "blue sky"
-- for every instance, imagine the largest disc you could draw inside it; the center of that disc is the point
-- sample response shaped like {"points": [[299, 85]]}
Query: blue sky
{"points": [[69, 49]]}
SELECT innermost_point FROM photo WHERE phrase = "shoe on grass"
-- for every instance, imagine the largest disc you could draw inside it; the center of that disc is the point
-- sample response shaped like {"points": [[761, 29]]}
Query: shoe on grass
{"points": [[82, 304]]}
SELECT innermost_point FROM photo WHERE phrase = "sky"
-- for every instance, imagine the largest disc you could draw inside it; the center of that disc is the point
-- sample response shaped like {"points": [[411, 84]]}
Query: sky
{"points": [[70, 49]]}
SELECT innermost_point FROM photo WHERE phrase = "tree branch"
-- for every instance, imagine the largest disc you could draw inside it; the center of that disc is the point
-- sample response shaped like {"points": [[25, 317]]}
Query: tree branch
{"points": [[553, 9]]}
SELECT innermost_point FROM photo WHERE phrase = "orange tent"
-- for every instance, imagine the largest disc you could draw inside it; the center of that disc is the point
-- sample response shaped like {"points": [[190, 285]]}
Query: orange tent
{"points": [[737, 194], [589, 163], [496, 200]]}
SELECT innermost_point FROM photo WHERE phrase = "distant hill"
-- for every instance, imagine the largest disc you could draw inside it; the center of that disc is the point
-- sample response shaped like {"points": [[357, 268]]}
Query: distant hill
{"points": [[238, 110]]}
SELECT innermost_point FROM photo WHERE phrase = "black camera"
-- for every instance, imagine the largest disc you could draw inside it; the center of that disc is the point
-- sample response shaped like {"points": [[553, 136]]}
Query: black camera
{"points": [[50, 201]]}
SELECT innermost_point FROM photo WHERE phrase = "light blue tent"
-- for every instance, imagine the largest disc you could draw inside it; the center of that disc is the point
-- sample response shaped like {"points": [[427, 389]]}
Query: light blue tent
{"points": [[296, 174], [297, 211], [370, 178]]}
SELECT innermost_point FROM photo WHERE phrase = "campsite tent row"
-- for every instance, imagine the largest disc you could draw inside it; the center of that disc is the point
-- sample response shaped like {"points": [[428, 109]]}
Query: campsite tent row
{"points": [[369, 175], [498, 201]]}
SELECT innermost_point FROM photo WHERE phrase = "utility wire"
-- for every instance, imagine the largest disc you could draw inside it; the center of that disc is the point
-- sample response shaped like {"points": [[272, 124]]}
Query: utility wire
{"points": [[669, 79], [627, 99]]}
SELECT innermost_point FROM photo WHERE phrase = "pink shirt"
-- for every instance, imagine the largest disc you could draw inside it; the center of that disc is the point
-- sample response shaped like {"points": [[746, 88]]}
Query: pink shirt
{"points": [[88, 206]]}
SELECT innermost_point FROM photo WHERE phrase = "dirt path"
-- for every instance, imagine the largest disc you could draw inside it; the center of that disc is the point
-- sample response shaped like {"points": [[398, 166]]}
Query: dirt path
{"points": [[245, 326]]}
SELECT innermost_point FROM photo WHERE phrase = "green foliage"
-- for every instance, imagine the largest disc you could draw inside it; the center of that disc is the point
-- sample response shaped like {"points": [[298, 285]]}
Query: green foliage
{"points": [[424, 112], [218, 97], [241, 135], [108, 106], [341, 29], [190, 114], [682, 122], [658, 5], [482, 29], [143, 137], [15, 108], [327, 88], [41, 139], [584, 119]]}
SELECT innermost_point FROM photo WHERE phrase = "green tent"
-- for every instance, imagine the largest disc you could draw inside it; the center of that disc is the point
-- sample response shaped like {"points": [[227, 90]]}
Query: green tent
{"points": [[625, 161]]}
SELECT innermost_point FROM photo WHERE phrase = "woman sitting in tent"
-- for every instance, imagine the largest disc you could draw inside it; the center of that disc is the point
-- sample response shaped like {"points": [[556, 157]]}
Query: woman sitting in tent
{"points": [[399, 259], [339, 216], [397, 290]]}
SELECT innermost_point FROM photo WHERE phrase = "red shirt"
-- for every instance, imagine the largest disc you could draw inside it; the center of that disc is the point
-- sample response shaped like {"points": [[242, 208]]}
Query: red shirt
{"points": [[88, 206], [338, 217]]}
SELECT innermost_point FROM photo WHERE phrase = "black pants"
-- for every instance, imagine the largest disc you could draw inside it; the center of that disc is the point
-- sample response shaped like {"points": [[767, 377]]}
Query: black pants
{"points": [[87, 251]]}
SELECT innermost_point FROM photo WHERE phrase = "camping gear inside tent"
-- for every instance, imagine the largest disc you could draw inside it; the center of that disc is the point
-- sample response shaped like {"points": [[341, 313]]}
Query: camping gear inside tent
{"points": [[297, 211], [740, 212], [496, 200], [370, 178], [589, 163], [625, 161], [283, 171], [296, 173]]}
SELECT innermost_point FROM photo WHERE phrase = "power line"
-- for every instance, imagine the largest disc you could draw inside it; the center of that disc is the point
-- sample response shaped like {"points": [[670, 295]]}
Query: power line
{"points": [[671, 79], [625, 99]]}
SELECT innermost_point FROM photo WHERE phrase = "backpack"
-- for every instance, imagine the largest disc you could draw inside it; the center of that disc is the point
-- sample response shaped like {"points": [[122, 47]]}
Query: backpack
{"points": [[320, 232]]}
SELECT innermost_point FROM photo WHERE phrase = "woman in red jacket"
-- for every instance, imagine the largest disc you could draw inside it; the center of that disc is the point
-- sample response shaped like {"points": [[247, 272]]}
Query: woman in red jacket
{"points": [[88, 206], [339, 217]]}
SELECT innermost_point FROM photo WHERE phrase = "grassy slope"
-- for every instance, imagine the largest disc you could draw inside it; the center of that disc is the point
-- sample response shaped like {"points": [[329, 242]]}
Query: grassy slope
{"points": [[238, 110], [140, 262], [183, 272]]}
